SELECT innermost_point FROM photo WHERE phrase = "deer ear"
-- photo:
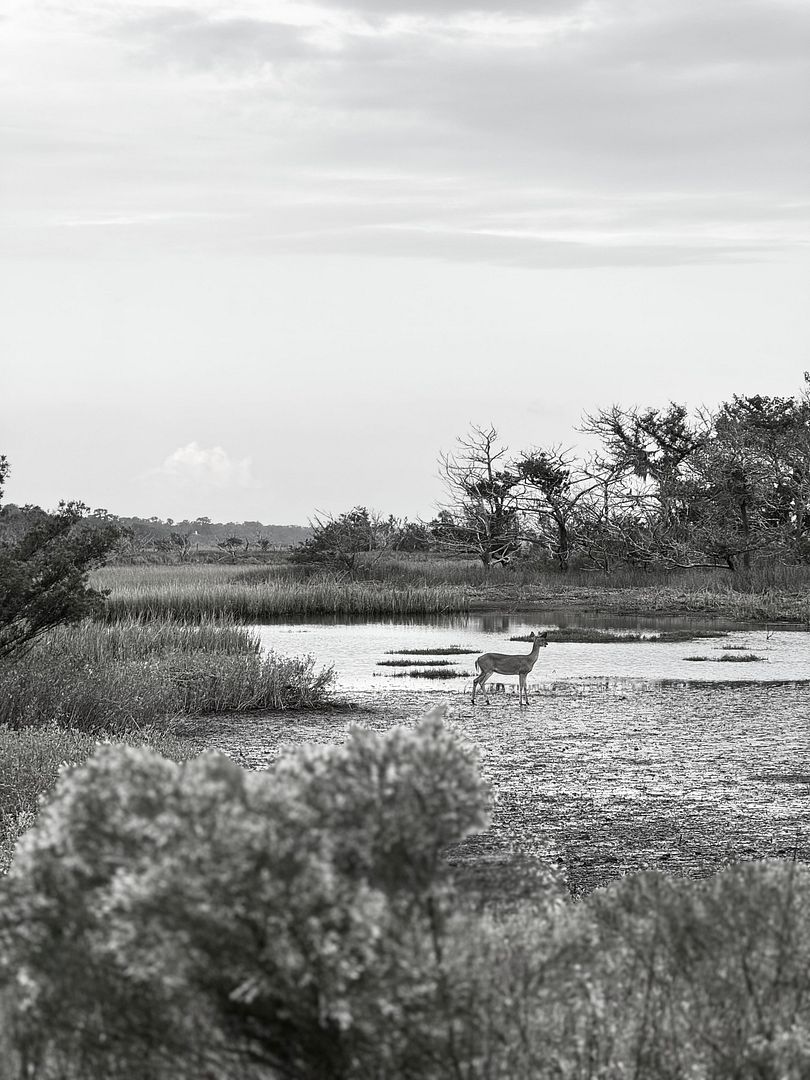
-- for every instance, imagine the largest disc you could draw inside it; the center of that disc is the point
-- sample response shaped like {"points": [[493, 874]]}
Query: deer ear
{"points": [[544, 634]]}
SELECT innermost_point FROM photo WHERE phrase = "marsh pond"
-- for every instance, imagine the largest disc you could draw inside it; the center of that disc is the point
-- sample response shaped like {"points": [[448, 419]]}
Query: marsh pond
{"points": [[422, 650], [630, 755]]}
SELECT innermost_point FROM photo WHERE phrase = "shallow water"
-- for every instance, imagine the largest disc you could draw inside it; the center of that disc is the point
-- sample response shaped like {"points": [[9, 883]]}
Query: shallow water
{"points": [[355, 648]]}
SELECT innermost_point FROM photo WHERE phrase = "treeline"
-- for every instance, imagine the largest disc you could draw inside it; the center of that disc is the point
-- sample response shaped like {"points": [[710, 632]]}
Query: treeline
{"points": [[180, 539], [662, 488]]}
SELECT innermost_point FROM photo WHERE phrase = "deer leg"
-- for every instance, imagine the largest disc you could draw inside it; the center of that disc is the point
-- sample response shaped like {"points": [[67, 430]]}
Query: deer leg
{"points": [[479, 681], [522, 691], [482, 681]]}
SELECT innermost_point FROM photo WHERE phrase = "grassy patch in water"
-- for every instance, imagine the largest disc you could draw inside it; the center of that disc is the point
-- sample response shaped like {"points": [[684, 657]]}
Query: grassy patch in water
{"points": [[448, 650], [428, 673], [743, 658], [783, 778], [414, 663], [592, 636]]}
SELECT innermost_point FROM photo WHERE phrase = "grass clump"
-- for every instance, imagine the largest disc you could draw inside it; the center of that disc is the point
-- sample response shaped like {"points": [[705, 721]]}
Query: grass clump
{"points": [[432, 673], [593, 636], [448, 650], [744, 658], [118, 679], [414, 663], [138, 639]]}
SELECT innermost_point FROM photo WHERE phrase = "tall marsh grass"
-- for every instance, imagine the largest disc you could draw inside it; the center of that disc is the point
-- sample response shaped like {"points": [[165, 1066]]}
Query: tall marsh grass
{"points": [[134, 676], [201, 592], [413, 585], [136, 639]]}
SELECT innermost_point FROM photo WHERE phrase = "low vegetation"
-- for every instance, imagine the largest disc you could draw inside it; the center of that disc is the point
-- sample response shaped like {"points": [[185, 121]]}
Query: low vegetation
{"points": [[743, 658], [450, 650], [133, 676], [31, 761], [590, 635], [411, 584], [205, 592], [414, 663], [303, 923], [428, 673]]}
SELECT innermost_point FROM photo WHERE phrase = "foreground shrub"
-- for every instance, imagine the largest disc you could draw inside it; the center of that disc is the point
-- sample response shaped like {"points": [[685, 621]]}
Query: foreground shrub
{"points": [[165, 920], [161, 916], [709, 978]]}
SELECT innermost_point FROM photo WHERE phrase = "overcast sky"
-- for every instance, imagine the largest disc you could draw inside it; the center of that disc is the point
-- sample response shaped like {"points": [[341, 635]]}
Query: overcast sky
{"points": [[264, 257]]}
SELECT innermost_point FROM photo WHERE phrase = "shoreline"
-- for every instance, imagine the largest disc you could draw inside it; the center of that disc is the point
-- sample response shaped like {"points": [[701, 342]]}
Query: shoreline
{"points": [[656, 601]]}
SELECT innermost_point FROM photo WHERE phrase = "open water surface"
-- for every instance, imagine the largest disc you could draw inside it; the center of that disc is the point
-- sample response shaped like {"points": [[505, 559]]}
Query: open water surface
{"points": [[355, 648]]}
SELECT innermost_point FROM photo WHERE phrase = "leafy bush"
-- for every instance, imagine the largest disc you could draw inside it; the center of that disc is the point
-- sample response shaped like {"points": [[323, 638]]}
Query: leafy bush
{"points": [[44, 572], [159, 916], [165, 920]]}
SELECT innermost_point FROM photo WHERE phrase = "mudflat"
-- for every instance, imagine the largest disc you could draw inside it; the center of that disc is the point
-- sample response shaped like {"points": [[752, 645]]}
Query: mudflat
{"points": [[601, 778]]}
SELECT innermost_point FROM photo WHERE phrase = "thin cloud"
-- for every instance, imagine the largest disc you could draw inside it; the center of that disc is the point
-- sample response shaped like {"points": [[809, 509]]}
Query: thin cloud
{"points": [[199, 466], [561, 133]]}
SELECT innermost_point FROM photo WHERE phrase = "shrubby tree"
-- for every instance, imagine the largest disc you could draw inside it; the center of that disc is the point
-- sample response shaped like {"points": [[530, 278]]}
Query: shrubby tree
{"points": [[44, 571], [755, 473], [662, 489], [554, 488], [413, 536], [647, 449], [351, 542]]}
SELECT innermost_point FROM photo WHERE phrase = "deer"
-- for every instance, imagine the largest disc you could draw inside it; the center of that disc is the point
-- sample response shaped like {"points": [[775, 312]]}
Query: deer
{"points": [[519, 664]]}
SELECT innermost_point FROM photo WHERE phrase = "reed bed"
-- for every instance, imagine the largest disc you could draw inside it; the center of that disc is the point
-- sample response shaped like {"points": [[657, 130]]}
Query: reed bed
{"points": [[426, 673], [196, 598], [138, 639], [134, 676], [742, 658], [408, 585], [414, 663], [591, 635]]}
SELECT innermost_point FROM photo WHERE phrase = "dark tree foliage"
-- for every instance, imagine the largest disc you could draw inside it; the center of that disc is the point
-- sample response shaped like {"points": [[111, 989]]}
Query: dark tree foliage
{"points": [[662, 489], [349, 542], [553, 489], [43, 572]]}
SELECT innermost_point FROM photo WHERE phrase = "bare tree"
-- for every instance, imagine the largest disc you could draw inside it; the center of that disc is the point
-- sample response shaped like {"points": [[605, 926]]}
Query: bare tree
{"points": [[483, 498]]}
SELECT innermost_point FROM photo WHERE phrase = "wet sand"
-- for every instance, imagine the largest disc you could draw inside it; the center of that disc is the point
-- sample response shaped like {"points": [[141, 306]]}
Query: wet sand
{"points": [[600, 780]]}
